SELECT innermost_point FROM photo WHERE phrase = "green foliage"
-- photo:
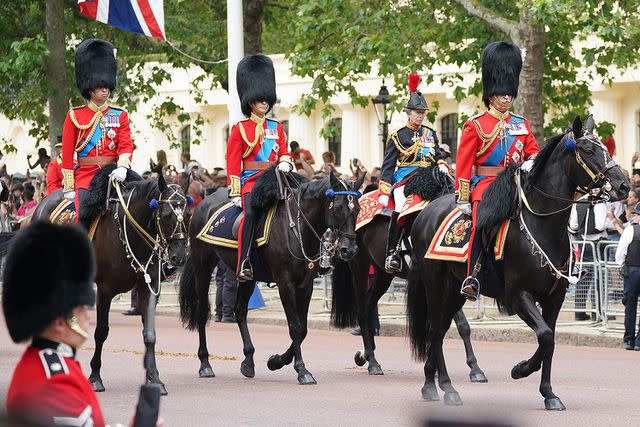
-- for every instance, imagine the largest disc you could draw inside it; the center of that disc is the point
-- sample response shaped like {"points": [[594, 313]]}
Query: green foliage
{"points": [[337, 43]]}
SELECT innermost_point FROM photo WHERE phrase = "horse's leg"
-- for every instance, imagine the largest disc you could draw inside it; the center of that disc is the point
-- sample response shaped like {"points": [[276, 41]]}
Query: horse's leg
{"points": [[103, 306], [380, 285], [245, 290], [429, 390], [203, 267], [524, 305], [550, 310], [303, 299], [148, 307], [475, 375]]}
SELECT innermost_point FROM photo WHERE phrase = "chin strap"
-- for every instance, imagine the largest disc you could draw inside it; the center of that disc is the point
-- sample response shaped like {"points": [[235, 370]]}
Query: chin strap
{"points": [[74, 324]]}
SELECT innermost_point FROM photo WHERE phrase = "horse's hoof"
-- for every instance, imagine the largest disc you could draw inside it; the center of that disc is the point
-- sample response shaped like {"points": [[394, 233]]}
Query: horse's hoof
{"points": [[375, 370], [517, 370], [247, 369], [554, 404], [430, 393], [97, 385], [274, 363], [206, 372], [306, 379], [478, 377], [452, 399], [359, 358]]}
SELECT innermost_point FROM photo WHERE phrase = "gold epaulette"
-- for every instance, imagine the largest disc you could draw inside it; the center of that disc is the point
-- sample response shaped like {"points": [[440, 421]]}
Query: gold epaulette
{"points": [[476, 116], [518, 116]]}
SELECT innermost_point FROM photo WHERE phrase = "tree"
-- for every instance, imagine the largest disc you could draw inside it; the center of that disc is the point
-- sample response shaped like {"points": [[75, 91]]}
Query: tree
{"points": [[337, 43]]}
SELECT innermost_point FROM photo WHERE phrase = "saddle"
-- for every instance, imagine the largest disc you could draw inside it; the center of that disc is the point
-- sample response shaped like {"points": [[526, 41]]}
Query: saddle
{"points": [[369, 208], [451, 241], [222, 227]]}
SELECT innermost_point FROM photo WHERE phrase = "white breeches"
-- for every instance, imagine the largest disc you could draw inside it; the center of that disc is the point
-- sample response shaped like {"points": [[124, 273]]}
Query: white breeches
{"points": [[399, 198]]}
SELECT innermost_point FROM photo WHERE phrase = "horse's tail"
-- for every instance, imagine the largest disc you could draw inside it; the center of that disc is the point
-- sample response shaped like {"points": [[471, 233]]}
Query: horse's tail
{"points": [[343, 297], [188, 296], [5, 242], [417, 314]]}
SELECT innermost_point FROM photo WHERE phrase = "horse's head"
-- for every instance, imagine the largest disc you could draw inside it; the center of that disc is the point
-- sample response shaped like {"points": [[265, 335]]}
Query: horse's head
{"points": [[591, 168], [170, 219], [343, 210]]}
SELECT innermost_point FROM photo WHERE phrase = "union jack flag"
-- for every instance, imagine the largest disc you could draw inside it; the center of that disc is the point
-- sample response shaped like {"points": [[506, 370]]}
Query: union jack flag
{"points": [[136, 16]]}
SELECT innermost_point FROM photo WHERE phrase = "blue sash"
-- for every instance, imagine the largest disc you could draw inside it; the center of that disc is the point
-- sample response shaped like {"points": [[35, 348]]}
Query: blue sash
{"points": [[404, 171], [265, 150], [500, 150], [95, 138]]}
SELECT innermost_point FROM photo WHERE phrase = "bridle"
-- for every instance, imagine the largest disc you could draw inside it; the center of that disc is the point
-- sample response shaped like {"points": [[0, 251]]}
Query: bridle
{"points": [[350, 194], [178, 203]]}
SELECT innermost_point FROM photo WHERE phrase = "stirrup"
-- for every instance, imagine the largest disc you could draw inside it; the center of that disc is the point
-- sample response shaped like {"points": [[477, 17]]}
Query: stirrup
{"points": [[470, 288], [393, 264], [245, 272]]}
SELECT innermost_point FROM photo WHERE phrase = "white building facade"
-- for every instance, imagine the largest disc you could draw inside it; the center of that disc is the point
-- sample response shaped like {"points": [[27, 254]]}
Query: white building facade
{"points": [[359, 134]]}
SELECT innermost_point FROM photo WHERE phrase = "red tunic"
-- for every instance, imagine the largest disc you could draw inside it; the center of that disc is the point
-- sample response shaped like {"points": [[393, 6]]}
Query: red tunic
{"points": [[83, 122], [474, 152], [49, 388], [239, 151], [54, 176]]}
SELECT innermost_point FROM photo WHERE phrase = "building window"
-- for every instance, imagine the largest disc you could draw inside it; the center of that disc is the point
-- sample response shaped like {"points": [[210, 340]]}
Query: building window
{"points": [[334, 140], [185, 139], [449, 133]]}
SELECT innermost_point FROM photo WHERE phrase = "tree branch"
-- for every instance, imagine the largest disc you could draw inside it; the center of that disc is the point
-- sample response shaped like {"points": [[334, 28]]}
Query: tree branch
{"points": [[278, 5], [495, 21]]}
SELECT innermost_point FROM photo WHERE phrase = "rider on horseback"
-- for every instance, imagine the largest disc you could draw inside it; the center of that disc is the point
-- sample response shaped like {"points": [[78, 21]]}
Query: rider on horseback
{"points": [[97, 133], [410, 148], [254, 144], [490, 141]]}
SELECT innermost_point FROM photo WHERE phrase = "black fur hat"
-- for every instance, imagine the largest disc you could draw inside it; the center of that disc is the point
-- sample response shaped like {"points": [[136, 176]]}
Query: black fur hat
{"points": [[501, 65], [256, 81], [96, 66], [49, 270]]}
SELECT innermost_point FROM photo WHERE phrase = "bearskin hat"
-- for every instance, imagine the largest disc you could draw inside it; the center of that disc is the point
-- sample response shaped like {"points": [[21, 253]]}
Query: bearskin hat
{"points": [[96, 66], [416, 100], [501, 65], [256, 81], [49, 270]]}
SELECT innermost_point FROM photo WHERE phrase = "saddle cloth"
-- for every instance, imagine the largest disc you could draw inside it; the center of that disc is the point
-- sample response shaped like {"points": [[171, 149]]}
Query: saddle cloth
{"points": [[222, 228], [451, 241], [64, 213], [369, 208]]}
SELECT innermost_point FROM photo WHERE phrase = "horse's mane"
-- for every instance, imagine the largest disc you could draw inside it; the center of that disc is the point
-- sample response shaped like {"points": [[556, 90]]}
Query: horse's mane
{"points": [[266, 191], [94, 204], [540, 161], [314, 189]]}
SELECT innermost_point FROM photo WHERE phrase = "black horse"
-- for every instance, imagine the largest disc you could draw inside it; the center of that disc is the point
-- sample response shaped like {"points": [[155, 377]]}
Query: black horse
{"points": [[127, 254], [290, 260], [535, 268], [354, 277]]}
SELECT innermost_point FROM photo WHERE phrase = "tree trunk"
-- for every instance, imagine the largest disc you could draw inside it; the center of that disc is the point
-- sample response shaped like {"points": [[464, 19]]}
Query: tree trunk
{"points": [[56, 74], [529, 101], [252, 11]]}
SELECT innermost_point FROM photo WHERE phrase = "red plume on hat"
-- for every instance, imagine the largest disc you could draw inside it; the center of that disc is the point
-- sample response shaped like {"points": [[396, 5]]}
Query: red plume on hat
{"points": [[414, 81]]}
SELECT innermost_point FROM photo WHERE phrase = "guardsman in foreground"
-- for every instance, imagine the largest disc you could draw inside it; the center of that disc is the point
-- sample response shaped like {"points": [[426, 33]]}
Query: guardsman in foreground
{"points": [[491, 141], [254, 144], [97, 134], [408, 149]]}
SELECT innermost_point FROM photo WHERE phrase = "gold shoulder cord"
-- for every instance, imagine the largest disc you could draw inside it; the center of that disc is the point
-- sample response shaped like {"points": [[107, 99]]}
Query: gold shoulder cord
{"points": [[406, 152], [258, 135]]}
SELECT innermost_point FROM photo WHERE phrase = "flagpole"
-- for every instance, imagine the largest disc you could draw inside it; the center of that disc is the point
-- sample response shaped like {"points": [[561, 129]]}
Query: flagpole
{"points": [[235, 52]]}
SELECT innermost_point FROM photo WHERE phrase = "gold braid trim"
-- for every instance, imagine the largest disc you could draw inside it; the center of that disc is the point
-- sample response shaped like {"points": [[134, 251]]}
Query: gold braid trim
{"points": [[384, 188], [68, 182], [95, 122], [256, 139], [463, 190], [235, 188]]}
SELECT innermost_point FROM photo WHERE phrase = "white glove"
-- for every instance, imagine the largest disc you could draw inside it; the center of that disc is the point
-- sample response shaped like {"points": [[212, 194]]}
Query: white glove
{"points": [[526, 166], [70, 195], [284, 167], [237, 201], [383, 199], [119, 173], [465, 208], [443, 168]]}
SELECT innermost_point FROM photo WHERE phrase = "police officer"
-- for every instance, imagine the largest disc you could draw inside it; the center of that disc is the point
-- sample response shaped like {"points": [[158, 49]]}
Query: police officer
{"points": [[490, 141], [97, 133], [628, 253], [255, 143], [408, 149]]}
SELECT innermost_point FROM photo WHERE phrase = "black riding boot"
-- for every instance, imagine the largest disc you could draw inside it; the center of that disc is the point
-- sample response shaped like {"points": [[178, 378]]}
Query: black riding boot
{"points": [[245, 270], [393, 262], [471, 286]]}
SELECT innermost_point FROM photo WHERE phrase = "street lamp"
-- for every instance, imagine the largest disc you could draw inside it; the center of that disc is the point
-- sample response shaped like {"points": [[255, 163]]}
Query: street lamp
{"points": [[380, 103]]}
